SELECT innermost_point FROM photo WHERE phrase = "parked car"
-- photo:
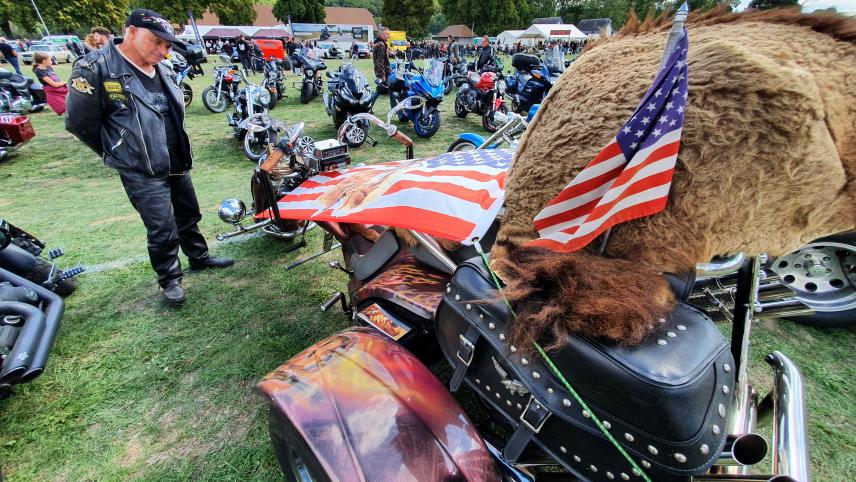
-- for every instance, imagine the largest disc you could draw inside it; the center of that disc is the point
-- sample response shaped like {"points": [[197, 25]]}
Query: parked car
{"points": [[364, 51], [60, 39], [331, 51], [58, 53]]}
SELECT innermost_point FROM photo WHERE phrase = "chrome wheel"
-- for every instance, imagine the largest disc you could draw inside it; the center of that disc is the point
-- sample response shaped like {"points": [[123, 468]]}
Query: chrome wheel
{"points": [[822, 275], [298, 468]]}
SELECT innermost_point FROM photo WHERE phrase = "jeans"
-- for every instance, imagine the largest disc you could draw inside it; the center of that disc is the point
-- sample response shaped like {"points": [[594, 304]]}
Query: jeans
{"points": [[170, 212], [14, 62]]}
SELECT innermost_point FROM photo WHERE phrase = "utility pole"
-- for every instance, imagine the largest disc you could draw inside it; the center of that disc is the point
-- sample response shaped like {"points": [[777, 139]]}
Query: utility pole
{"points": [[40, 17]]}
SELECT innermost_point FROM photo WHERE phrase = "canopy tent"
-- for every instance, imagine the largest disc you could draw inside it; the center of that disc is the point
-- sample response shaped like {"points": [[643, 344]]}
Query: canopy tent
{"points": [[271, 33], [547, 32], [223, 32], [509, 37]]}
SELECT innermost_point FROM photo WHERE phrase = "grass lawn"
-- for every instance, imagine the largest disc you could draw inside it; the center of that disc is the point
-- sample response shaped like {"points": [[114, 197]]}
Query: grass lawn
{"points": [[137, 391]]}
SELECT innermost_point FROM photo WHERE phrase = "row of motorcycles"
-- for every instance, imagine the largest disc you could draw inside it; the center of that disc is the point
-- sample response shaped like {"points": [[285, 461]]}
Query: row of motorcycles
{"points": [[19, 95]]}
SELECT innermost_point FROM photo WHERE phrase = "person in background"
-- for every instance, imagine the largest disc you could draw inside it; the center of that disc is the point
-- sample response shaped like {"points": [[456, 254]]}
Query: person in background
{"points": [[486, 57], [125, 106], [243, 48], [90, 44], [10, 55], [102, 36], [55, 89]]}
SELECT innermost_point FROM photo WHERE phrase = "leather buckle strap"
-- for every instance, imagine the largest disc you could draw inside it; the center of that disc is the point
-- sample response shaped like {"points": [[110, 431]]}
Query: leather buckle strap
{"points": [[469, 350], [466, 353], [531, 421]]}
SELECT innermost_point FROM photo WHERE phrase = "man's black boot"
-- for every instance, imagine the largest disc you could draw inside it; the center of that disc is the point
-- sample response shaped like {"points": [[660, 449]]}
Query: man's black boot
{"points": [[173, 294], [210, 262]]}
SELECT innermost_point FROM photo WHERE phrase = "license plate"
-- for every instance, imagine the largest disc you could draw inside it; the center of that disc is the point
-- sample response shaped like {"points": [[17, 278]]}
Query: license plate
{"points": [[384, 322]]}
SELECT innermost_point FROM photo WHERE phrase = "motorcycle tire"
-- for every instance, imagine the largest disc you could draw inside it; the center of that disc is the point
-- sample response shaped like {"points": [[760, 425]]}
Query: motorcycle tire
{"points": [[209, 99], [427, 124], [188, 94], [449, 86], [273, 101], [306, 92], [488, 120], [254, 145], [460, 110], [461, 145], [40, 273], [832, 289], [296, 460], [356, 135]]}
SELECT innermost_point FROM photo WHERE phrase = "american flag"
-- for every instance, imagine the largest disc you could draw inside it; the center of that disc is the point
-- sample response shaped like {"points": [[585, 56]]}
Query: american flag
{"points": [[453, 196], [630, 178]]}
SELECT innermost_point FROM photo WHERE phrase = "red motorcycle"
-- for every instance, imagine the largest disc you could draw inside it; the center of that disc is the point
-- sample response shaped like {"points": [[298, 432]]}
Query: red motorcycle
{"points": [[482, 94], [363, 405]]}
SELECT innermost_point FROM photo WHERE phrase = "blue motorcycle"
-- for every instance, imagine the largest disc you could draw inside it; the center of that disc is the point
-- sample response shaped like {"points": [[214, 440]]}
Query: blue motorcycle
{"points": [[428, 85], [511, 128], [533, 79]]}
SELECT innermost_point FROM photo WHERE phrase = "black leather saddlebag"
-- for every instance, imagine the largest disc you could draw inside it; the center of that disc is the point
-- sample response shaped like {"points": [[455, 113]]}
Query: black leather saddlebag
{"points": [[665, 401], [525, 62]]}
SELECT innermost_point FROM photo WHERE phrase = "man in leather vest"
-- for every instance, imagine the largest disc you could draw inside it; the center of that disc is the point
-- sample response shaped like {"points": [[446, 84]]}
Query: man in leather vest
{"points": [[125, 107]]}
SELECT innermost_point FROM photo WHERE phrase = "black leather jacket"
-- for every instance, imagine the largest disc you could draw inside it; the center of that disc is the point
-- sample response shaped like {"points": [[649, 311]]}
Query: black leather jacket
{"points": [[110, 111]]}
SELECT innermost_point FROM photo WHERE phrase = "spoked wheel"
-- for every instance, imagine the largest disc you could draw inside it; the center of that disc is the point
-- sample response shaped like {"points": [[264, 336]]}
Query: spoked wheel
{"points": [[209, 98], [255, 145], [823, 275], [488, 121], [295, 458], [188, 94]]}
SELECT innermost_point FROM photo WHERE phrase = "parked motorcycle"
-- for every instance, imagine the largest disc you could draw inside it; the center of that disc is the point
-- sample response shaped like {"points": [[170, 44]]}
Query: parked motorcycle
{"points": [[20, 94], [29, 320], [23, 254], [349, 94], [311, 84], [224, 89], [182, 70], [454, 74], [250, 121], [274, 73], [414, 302], [15, 131], [426, 84], [482, 94], [511, 129], [533, 79]]}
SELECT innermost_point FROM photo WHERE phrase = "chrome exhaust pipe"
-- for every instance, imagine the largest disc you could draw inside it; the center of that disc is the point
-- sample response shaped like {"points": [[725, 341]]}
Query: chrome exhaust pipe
{"points": [[774, 291], [746, 449], [781, 309], [790, 436], [722, 268], [239, 230]]}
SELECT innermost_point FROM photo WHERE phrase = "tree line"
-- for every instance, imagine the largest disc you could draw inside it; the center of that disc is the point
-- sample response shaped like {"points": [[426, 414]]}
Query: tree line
{"points": [[417, 17]]}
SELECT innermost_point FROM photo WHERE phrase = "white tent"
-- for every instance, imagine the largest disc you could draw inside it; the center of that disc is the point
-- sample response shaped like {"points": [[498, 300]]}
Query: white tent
{"points": [[509, 37], [547, 32]]}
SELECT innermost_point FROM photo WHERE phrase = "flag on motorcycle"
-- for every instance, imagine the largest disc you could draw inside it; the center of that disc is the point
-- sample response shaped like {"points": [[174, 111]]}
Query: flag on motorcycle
{"points": [[630, 178], [455, 195]]}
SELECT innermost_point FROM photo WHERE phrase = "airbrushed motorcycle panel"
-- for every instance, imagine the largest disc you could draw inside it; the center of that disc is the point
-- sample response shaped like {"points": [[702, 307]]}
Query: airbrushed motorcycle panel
{"points": [[408, 284], [369, 410]]}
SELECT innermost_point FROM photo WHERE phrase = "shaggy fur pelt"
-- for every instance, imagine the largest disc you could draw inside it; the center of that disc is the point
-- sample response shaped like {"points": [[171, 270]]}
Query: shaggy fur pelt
{"points": [[767, 161]]}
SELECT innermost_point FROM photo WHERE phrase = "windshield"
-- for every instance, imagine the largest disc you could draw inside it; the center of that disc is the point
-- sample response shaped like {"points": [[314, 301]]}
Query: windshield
{"points": [[434, 73], [554, 60], [355, 81]]}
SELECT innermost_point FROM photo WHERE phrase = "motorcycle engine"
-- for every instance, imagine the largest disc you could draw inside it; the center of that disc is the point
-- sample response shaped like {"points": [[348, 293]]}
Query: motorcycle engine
{"points": [[470, 99], [20, 104]]}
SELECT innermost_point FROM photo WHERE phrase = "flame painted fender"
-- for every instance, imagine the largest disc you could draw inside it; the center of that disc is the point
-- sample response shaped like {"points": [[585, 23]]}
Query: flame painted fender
{"points": [[369, 410]]}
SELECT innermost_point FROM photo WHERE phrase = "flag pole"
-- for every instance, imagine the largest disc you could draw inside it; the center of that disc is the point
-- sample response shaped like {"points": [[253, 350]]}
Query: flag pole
{"points": [[675, 33], [40, 17]]}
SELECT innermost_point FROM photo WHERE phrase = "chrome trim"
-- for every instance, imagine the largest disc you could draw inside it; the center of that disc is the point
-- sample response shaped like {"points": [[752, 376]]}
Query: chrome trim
{"points": [[244, 230], [428, 243], [722, 268], [790, 435]]}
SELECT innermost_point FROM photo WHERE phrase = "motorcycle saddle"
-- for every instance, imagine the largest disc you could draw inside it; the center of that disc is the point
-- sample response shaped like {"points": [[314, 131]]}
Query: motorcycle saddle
{"points": [[665, 401], [17, 81]]}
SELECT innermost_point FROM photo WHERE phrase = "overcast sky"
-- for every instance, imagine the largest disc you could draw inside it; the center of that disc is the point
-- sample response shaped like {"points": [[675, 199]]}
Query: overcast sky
{"points": [[811, 5]]}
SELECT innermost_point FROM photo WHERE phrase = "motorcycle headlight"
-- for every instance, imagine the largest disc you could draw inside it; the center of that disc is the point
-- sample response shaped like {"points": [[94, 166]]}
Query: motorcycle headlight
{"points": [[264, 97], [500, 87], [232, 211], [310, 72]]}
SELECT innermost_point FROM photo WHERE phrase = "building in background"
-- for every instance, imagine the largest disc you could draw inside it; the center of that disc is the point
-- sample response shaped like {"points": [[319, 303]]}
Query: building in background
{"points": [[595, 27]]}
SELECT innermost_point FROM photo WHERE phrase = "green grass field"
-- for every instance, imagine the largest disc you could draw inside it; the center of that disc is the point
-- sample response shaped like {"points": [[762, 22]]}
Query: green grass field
{"points": [[137, 391]]}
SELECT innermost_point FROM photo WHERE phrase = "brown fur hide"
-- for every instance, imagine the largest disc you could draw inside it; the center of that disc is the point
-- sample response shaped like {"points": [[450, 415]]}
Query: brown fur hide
{"points": [[767, 163]]}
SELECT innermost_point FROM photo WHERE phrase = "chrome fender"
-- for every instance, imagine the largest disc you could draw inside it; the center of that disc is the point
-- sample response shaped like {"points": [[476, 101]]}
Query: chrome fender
{"points": [[369, 410]]}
